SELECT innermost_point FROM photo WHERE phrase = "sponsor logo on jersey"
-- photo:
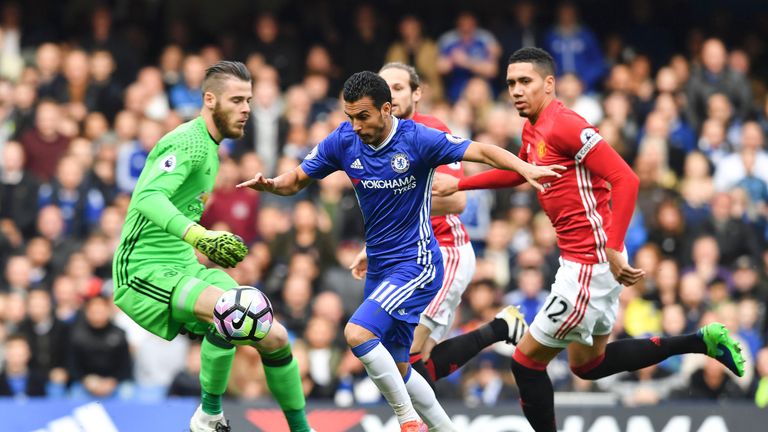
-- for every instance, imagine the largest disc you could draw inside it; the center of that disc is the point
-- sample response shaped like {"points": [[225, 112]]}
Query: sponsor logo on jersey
{"points": [[356, 164], [454, 139], [168, 163], [541, 149], [400, 162], [589, 138], [398, 185]]}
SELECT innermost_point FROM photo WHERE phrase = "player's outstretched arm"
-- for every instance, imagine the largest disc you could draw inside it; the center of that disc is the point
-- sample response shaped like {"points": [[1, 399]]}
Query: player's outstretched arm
{"points": [[453, 203], [286, 184], [497, 157]]}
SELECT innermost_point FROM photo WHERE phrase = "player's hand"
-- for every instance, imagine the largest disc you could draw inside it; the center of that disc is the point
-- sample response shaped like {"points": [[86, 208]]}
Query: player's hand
{"points": [[259, 183], [359, 266], [221, 247], [624, 273], [534, 172], [444, 185]]}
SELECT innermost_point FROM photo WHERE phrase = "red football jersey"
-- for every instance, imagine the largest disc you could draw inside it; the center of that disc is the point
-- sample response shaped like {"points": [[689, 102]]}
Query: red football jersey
{"points": [[449, 231], [577, 202]]}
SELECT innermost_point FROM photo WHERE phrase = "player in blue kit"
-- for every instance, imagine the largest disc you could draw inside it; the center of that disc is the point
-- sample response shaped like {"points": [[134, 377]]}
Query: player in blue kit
{"points": [[391, 163]]}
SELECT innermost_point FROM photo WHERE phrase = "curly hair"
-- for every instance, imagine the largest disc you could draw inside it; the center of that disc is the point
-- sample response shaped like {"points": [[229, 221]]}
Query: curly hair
{"points": [[367, 84]]}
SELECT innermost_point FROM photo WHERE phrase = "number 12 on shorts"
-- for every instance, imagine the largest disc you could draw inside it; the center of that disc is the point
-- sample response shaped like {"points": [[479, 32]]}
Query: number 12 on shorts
{"points": [[555, 308]]}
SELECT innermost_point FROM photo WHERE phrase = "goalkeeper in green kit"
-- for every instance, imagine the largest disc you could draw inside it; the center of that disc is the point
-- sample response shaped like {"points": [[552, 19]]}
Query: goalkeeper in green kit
{"points": [[158, 281]]}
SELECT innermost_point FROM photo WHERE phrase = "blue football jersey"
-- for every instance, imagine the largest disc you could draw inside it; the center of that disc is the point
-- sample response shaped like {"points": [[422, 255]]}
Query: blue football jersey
{"points": [[393, 184]]}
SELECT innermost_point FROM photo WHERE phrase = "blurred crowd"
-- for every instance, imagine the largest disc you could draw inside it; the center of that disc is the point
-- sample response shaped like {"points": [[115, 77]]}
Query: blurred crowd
{"points": [[84, 96]]}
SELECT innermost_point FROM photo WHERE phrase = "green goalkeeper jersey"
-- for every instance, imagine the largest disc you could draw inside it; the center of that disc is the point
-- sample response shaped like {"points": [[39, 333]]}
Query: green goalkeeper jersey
{"points": [[170, 195]]}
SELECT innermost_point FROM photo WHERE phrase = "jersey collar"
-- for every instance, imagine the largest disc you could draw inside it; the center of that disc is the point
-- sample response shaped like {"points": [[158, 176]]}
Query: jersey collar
{"points": [[386, 142], [201, 121]]}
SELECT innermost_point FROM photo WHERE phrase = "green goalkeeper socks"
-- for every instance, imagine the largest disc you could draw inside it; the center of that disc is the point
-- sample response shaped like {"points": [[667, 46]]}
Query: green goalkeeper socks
{"points": [[216, 356], [283, 380]]}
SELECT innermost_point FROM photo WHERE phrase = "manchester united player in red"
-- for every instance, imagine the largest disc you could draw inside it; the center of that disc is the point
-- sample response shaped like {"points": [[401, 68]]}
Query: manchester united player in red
{"points": [[581, 309]]}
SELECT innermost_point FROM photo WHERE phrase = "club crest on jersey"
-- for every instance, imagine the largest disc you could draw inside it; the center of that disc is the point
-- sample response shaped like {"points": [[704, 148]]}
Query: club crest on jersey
{"points": [[168, 163], [400, 162], [454, 139], [541, 149]]}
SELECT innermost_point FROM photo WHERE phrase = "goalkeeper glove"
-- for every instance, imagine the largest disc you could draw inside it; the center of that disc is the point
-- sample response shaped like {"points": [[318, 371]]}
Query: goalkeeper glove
{"points": [[221, 247]]}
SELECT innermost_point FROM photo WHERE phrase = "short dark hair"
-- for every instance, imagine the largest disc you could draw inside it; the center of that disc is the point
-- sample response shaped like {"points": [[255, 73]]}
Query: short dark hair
{"points": [[216, 73], [413, 78], [367, 84], [540, 59]]}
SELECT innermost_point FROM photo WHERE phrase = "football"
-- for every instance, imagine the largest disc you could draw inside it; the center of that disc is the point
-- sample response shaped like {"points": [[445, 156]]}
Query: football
{"points": [[243, 315]]}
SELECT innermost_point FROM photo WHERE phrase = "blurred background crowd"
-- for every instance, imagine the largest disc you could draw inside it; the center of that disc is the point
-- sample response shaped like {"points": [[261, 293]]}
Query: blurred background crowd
{"points": [[87, 89]]}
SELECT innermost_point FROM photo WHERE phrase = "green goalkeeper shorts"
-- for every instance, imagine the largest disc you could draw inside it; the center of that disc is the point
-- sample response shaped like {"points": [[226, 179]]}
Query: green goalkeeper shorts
{"points": [[162, 298]]}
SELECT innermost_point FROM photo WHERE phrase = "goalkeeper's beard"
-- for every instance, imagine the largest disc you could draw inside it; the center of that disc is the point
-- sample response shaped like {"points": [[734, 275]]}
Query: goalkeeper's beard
{"points": [[220, 120]]}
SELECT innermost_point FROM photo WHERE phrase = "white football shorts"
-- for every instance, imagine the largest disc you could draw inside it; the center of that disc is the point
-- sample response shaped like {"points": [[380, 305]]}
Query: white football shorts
{"points": [[583, 302], [459, 267]]}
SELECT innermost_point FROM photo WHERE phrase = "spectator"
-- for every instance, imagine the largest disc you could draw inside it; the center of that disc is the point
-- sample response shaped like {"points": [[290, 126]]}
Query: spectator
{"points": [[715, 76], [48, 59], [66, 298], [238, 208], [279, 51], [132, 157], [324, 355], [570, 91], [39, 254], [747, 282], [366, 47], [306, 237], [186, 97], [750, 161], [575, 48], [465, 52], [100, 362], [529, 294], [187, 381], [50, 225], [43, 145], [104, 94], [104, 37], [713, 142], [18, 195], [670, 232], [48, 339], [693, 298], [23, 116], [80, 204], [522, 32], [705, 254], [416, 49], [295, 309], [496, 251], [696, 189], [734, 237], [711, 382], [17, 276], [18, 379], [267, 127], [151, 79]]}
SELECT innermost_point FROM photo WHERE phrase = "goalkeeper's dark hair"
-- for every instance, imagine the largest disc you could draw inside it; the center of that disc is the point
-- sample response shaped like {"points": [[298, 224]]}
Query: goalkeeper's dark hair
{"points": [[542, 61], [217, 73], [367, 84], [413, 78]]}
